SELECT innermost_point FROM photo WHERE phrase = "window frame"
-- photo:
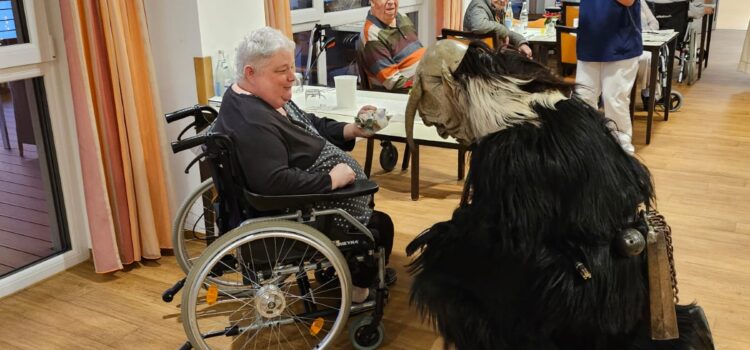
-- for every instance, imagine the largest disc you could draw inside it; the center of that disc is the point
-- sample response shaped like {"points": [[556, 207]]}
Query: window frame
{"points": [[53, 69], [27, 53]]}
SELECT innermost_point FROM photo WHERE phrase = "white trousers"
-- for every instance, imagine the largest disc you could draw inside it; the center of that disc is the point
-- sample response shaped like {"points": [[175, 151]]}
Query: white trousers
{"points": [[613, 81]]}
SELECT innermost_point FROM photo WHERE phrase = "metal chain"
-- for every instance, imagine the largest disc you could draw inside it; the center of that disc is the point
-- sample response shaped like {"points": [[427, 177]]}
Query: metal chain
{"points": [[660, 225]]}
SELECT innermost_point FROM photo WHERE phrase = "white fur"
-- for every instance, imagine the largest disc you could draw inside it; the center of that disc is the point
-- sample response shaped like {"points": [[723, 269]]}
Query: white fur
{"points": [[497, 104]]}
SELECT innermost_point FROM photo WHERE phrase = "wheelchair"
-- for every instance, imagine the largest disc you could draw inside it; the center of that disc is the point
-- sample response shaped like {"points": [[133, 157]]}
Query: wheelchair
{"points": [[675, 16], [259, 269]]}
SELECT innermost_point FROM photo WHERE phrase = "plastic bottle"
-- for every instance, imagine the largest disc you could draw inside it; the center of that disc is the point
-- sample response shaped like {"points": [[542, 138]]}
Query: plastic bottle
{"points": [[524, 18], [508, 20], [222, 74]]}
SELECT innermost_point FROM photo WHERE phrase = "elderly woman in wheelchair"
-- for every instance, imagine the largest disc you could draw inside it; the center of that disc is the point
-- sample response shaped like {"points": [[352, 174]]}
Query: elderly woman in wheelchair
{"points": [[269, 280]]}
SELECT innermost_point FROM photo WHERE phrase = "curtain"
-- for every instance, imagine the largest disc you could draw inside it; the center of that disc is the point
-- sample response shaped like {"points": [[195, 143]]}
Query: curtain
{"points": [[279, 16], [448, 15], [121, 138]]}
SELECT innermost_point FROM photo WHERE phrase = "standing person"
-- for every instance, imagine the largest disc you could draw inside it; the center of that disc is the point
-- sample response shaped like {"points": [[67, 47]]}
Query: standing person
{"points": [[485, 16], [388, 47], [608, 47]]}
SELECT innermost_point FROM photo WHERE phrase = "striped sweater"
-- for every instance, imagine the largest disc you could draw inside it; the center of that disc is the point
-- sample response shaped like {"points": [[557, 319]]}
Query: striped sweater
{"points": [[389, 54]]}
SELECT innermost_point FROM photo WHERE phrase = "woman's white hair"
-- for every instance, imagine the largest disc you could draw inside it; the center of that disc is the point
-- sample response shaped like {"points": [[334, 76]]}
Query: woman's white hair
{"points": [[259, 45]]}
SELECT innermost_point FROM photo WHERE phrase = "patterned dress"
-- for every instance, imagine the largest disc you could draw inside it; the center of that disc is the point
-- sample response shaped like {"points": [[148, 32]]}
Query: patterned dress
{"points": [[329, 156]]}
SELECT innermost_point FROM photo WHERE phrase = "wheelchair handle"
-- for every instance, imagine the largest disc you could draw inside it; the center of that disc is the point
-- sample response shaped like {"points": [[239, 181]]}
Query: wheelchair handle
{"points": [[190, 142], [194, 111]]}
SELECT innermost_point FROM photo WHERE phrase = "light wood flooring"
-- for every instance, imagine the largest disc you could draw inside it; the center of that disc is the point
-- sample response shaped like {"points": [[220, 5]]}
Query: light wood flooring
{"points": [[700, 159]]}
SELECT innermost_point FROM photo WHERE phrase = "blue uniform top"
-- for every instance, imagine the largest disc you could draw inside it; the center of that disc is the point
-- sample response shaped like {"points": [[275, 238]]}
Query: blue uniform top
{"points": [[608, 31]]}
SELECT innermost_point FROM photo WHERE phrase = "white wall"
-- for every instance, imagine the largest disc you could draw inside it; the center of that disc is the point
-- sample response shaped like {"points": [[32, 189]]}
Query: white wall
{"points": [[175, 39], [223, 23], [733, 14], [180, 30]]}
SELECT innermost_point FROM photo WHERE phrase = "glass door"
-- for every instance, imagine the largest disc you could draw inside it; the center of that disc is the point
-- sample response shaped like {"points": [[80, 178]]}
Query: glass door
{"points": [[33, 224]]}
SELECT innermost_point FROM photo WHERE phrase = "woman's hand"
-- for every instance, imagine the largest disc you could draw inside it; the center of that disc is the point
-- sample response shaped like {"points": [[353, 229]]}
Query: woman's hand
{"points": [[351, 130], [341, 176]]}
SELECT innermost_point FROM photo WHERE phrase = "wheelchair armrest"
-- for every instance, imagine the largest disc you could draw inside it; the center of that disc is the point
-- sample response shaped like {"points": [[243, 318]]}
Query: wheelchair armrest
{"points": [[271, 202]]}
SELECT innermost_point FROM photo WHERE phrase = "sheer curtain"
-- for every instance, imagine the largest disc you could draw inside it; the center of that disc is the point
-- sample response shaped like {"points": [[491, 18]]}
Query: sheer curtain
{"points": [[448, 14], [120, 133], [279, 16]]}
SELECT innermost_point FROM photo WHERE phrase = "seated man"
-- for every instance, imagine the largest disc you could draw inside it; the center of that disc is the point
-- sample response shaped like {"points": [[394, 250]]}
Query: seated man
{"points": [[484, 16], [282, 149], [388, 47]]}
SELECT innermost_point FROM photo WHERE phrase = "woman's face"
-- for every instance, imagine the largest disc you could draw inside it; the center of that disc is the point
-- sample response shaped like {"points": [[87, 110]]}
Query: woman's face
{"points": [[272, 79]]}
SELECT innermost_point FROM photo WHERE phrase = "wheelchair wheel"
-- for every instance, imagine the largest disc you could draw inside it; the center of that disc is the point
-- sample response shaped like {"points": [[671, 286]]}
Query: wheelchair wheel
{"points": [[676, 101], [388, 156], [276, 301], [363, 338], [195, 227]]}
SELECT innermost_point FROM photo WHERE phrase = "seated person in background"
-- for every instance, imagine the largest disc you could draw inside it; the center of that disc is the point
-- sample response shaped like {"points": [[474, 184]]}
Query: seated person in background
{"points": [[484, 16], [648, 22], [388, 47], [282, 149]]}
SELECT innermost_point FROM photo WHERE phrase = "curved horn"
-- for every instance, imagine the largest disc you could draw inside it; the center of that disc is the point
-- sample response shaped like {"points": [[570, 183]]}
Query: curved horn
{"points": [[411, 110]]}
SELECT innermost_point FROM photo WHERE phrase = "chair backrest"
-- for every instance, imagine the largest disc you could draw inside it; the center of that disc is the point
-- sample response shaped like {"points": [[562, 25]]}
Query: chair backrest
{"points": [[566, 46], [364, 80], [489, 38], [569, 13], [673, 15]]}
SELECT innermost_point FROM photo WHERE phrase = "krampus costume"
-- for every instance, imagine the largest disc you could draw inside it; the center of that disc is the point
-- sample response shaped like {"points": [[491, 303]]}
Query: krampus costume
{"points": [[546, 249]]}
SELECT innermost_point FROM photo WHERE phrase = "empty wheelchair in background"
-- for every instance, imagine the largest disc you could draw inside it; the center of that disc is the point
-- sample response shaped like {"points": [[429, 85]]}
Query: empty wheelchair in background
{"points": [[675, 16], [266, 275]]}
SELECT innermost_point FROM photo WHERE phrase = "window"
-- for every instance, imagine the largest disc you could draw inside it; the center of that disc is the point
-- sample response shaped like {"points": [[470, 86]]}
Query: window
{"points": [[301, 4], [346, 18], [12, 26], [19, 44], [343, 5]]}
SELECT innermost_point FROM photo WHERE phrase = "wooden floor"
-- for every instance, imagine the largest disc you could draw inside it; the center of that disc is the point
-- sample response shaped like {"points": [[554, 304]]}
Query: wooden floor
{"points": [[24, 215], [700, 160]]}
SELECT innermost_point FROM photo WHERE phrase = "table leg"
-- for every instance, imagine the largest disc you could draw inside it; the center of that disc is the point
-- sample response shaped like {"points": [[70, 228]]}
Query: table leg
{"points": [[652, 92], [701, 56], [668, 90], [461, 162], [3, 126], [415, 172], [708, 39], [368, 155], [407, 153]]}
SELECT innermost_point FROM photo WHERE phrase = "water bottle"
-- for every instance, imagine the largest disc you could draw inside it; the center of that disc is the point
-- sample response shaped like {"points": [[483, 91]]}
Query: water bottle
{"points": [[222, 74], [524, 18], [508, 20]]}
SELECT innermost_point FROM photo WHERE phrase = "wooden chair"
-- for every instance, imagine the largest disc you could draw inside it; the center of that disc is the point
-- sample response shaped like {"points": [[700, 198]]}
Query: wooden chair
{"points": [[566, 48], [569, 12], [465, 37]]}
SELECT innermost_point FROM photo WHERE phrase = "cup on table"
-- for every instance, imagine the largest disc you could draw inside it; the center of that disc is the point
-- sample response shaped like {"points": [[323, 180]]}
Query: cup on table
{"points": [[346, 91]]}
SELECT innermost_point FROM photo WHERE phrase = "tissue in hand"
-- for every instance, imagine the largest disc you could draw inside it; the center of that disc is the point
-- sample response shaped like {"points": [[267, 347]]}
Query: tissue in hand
{"points": [[372, 121]]}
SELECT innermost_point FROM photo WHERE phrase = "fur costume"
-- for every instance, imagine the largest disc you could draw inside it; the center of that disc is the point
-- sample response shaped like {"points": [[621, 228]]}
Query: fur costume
{"points": [[527, 261]]}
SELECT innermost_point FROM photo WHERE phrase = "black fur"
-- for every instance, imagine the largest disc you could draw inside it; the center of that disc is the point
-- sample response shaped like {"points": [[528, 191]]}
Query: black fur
{"points": [[501, 274]]}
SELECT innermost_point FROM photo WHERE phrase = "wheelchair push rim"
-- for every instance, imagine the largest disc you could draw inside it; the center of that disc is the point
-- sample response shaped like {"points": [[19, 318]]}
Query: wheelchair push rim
{"points": [[279, 305], [195, 227]]}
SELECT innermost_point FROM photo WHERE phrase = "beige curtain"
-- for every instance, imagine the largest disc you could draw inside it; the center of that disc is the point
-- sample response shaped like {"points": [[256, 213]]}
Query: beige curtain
{"points": [[279, 16], [121, 135], [448, 15]]}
